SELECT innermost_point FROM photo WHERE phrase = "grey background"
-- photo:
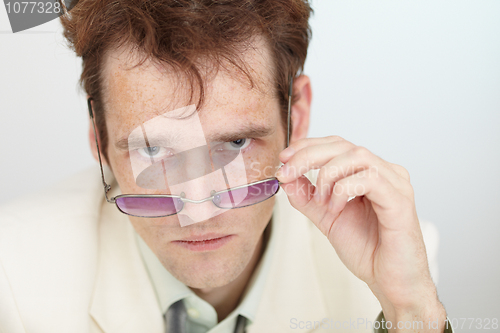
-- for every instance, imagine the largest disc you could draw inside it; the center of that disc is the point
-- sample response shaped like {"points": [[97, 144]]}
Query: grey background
{"points": [[416, 82]]}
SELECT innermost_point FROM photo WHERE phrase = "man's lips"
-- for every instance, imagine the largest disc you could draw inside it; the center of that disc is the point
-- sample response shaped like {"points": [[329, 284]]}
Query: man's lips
{"points": [[200, 238], [207, 242]]}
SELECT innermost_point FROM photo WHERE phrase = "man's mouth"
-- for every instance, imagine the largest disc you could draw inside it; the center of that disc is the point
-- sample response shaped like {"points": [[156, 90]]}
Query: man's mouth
{"points": [[208, 242]]}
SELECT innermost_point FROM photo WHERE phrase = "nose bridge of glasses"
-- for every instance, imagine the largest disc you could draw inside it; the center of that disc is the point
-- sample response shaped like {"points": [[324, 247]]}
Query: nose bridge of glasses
{"points": [[201, 189], [184, 199]]}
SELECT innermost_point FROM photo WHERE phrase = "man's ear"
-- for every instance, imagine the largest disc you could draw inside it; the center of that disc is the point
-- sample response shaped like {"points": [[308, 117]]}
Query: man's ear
{"points": [[92, 142], [301, 109]]}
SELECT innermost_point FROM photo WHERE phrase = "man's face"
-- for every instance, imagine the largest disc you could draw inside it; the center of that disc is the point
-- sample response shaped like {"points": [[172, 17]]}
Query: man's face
{"points": [[134, 96]]}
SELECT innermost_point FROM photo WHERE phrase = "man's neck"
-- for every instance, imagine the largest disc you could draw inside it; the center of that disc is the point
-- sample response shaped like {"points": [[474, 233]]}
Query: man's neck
{"points": [[226, 298]]}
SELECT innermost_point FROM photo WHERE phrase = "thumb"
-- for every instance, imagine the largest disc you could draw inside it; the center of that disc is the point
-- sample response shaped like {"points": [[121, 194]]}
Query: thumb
{"points": [[300, 193]]}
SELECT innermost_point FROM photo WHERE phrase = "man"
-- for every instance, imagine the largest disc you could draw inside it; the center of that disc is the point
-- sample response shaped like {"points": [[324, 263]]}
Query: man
{"points": [[212, 78]]}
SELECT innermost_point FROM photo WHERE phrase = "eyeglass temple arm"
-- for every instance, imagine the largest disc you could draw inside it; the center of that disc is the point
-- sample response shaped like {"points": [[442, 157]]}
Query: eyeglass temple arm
{"points": [[290, 92], [106, 186]]}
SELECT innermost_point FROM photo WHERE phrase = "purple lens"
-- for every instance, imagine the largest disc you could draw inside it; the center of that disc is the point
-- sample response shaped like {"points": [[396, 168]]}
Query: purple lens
{"points": [[248, 195], [149, 206]]}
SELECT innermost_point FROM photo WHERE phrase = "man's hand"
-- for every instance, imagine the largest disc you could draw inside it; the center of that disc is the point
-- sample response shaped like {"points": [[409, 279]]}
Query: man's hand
{"points": [[377, 234]]}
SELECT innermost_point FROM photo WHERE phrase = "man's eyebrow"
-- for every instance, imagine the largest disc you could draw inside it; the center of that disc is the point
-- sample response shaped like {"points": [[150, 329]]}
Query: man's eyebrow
{"points": [[247, 132], [134, 141], [123, 143]]}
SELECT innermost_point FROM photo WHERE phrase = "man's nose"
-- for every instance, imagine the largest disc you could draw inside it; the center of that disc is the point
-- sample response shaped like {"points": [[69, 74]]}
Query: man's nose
{"points": [[195, 213], [197, 190], [197, 163], [190, 164]]}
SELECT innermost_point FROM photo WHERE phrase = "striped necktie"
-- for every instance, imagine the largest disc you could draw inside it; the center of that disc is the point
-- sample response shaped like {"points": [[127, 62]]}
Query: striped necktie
{"points": [[176, 317]]}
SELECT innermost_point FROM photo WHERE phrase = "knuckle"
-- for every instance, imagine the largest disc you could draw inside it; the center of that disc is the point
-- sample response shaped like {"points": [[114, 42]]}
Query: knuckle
{"points": [[335, 138], [360, 151], [402, 171], [346, 145]]}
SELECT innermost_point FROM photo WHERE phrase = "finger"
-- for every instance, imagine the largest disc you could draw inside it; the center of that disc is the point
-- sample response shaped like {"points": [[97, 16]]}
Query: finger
{"points": [[311, 157], [294, 147], [388, 203], [351, 162]]}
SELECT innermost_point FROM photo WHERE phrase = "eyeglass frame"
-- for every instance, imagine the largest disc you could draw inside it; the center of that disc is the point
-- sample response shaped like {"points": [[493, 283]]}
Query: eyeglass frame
{"points": [[182, 197]]}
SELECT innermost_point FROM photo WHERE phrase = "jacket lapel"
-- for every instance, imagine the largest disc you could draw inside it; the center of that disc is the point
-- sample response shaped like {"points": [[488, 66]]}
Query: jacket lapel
{"points": [[123, 299]]}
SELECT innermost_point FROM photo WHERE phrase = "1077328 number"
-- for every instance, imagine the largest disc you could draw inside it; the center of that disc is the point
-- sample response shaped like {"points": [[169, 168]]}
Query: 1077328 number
{"points": [[33, 7], [473, 323]]}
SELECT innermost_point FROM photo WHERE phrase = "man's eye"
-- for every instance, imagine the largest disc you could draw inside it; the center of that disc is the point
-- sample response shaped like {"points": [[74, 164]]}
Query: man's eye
{"points": [[155, 152], [237, 144]]}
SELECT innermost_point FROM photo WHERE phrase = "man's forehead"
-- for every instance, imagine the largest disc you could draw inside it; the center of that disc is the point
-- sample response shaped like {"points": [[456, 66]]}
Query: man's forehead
{"points": [[135, 95], [157, 88]]}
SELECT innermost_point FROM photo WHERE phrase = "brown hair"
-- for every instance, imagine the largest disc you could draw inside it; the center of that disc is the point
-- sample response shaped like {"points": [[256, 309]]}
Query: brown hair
{"points": [[180, 32]]}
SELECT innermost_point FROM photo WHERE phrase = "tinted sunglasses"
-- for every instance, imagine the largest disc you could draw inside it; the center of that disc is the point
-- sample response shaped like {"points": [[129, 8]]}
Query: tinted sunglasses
{"points": [[161, 205]]}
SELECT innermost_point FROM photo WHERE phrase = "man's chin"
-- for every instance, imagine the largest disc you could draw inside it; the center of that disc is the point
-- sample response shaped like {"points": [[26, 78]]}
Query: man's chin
{"points": [[211, 277], [208, 270]]}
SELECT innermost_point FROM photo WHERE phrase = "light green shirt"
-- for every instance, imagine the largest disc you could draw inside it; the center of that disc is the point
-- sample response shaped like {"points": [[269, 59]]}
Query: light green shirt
{"points": [[202, 317]]}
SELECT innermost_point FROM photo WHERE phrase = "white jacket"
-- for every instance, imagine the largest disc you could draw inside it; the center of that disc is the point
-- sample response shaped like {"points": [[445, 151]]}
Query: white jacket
{"points": [[65, 268]]}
